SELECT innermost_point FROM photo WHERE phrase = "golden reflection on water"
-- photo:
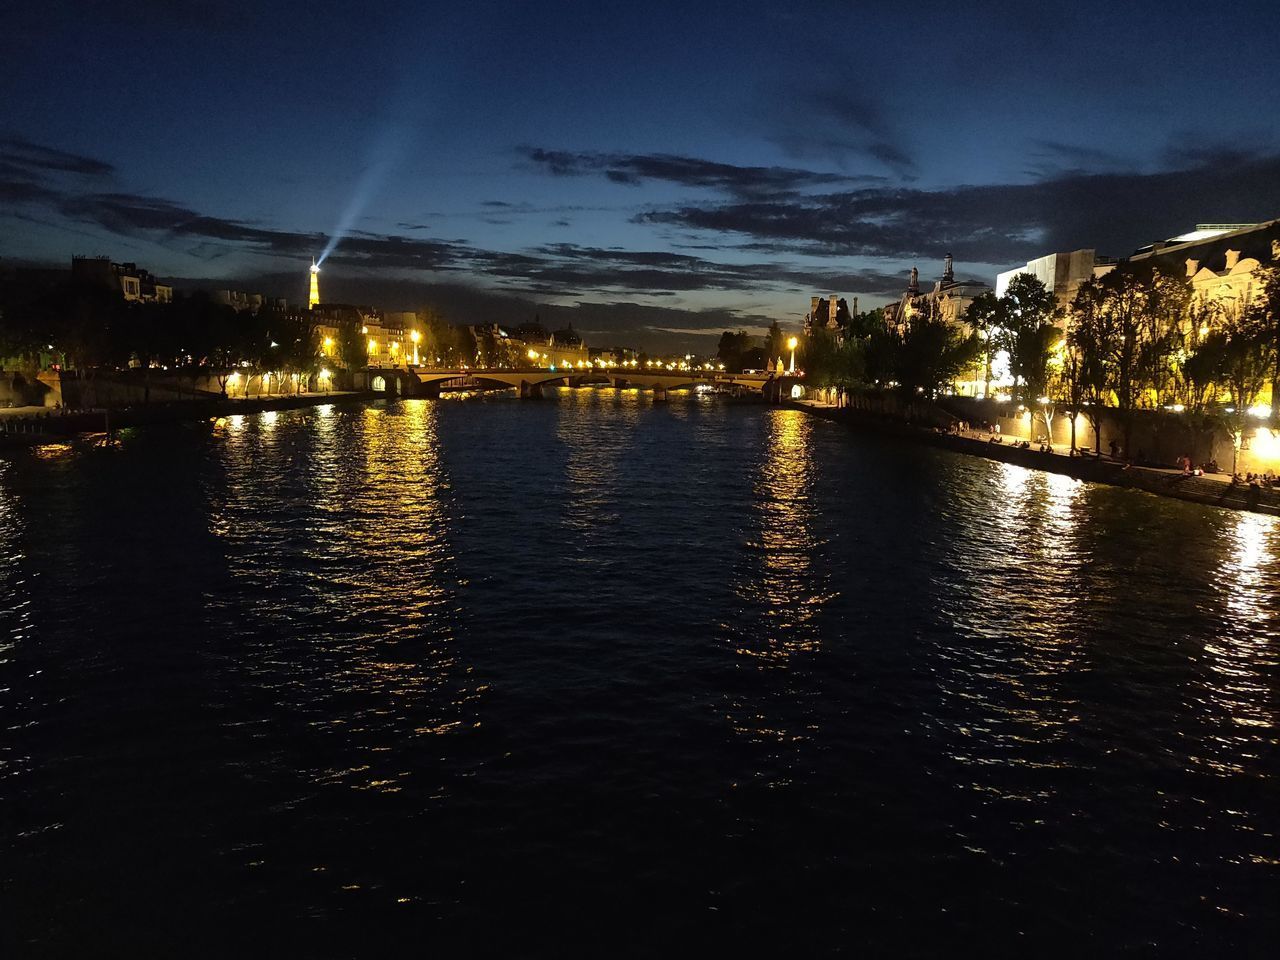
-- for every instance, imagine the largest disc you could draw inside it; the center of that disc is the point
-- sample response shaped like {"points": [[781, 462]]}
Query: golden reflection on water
{"points": [[351, 577], [780, 589], [1242, 662], [15, 603], [783, 584], [592, 456], [1010, 638]]}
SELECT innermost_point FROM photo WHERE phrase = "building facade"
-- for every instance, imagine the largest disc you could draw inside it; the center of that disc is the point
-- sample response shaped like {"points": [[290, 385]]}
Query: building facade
{"points": [[128, 279], [947, 300], [1061, 273]]}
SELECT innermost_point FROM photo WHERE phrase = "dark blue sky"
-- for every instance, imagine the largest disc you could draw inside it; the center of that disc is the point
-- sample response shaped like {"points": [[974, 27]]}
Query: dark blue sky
{"points": [[675, 166]]}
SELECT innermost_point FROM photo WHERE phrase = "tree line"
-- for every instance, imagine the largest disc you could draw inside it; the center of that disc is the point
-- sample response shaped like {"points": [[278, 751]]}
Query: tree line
{"points": [[1135, 339]]}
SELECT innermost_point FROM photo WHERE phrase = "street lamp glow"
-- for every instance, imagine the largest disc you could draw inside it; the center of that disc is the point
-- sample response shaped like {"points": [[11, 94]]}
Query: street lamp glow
{"points": [[793, 343]]}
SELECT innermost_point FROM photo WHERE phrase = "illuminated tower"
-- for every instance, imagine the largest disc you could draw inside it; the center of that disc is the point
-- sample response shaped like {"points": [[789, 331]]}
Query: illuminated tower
{"points": [[314, 296]]}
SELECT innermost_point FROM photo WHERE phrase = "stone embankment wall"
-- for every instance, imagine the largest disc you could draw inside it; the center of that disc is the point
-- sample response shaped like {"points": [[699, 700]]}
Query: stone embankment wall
{"points": [[1159, 439], [133, 387], [1215, 492]]}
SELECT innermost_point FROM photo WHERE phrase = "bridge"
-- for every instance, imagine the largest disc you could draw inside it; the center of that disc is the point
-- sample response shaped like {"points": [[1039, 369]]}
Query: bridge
{"points": [[530, 381]]}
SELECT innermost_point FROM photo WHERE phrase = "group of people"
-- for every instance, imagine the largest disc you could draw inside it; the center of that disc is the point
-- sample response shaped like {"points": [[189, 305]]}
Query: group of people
{"points": [[1268, 480], [1190, 469]]}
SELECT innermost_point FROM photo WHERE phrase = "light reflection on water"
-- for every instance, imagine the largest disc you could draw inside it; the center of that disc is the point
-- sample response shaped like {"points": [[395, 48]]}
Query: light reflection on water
{"points": [[1242, 668], [371, 615], [563, 655]]}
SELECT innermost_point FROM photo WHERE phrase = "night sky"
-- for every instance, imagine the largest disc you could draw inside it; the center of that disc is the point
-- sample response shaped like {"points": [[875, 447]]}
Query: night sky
{"points": [[672, 168]]}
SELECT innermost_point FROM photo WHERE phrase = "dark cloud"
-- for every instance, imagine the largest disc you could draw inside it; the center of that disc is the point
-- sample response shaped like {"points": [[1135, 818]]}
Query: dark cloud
{"points": [[559, 269], [1003, 223], [567, 267], [1051, 158], [635, 169], [39, 161], [838, 125], [1192, 149]]}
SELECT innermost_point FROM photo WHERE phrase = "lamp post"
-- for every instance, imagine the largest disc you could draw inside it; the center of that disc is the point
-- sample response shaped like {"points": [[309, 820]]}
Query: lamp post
{"points": [[792, 344], [415, 336]]}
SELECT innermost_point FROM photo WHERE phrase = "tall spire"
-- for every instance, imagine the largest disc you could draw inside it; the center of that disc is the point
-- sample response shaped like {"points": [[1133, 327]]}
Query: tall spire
{"points": [[313, 297]]}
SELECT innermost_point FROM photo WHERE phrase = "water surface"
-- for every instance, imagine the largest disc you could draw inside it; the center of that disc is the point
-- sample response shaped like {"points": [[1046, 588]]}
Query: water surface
{"points": [[595, 675]]}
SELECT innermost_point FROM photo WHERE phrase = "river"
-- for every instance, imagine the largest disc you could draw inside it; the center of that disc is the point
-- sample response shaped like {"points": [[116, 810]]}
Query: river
{"points": [[595, 675]]}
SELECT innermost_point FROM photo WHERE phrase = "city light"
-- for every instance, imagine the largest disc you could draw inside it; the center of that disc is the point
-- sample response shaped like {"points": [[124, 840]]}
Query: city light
{"points": [[313, 295]]}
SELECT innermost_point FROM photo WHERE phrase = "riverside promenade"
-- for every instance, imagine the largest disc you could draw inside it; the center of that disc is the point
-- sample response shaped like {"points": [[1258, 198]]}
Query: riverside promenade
{"points": [[1216, 490]]}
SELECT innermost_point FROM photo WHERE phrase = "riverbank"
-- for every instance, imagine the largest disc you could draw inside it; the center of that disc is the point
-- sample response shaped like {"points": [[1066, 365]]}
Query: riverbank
{"points": [[1211, 490], [32, 430]]}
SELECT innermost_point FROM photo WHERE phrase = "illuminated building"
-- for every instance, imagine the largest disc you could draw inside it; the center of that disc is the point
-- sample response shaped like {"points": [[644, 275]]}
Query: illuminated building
{"points": [[313, 298], [828, 313], [564, 348], [1061, 273], [947, 301], [1219, 259]]}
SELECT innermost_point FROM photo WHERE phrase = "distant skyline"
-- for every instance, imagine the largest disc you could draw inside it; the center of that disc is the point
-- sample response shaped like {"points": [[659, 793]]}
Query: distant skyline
{"points": [[652, 173]]}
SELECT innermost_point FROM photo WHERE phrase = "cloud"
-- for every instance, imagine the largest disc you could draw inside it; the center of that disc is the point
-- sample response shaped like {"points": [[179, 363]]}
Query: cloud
{"points": [[561, 270], [34, 174], [37, 160], [1052, 158], [1001, 223], [586, 270], [841, 126], [635, 169]]}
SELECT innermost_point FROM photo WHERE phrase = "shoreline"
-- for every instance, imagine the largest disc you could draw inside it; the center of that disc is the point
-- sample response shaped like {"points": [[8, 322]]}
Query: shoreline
{"points": [[1163, 483], [59, 426]]}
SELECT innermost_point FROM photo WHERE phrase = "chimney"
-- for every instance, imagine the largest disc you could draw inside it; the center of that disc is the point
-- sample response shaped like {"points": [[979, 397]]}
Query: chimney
{"points": [[1233, 257], [1193, 267]]}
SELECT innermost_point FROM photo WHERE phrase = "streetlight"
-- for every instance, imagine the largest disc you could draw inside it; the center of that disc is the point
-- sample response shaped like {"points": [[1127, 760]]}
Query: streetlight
{"points": [[415, 336], [793, 343]]}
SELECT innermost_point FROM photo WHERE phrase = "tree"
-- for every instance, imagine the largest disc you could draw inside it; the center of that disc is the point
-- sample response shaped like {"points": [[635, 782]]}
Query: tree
{"points": [[931, 353], [1086, 343], [776, 341], [731, 347], [1125, 305], [1266, 316], [983, 318], [1237, 352], [1025, 330], [1072, 387]]}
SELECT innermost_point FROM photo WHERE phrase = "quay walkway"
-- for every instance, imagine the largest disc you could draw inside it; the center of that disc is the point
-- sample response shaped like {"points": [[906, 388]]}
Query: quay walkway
{"points": [[1213, 489]]}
